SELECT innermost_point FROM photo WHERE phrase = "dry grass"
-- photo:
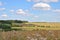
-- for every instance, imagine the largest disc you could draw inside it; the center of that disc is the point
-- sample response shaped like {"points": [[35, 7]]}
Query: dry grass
{"points": [[31, 35]]}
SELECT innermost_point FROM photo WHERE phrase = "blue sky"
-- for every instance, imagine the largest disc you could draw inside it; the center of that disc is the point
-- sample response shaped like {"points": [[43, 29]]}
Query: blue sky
{"points": [[30, 10]]}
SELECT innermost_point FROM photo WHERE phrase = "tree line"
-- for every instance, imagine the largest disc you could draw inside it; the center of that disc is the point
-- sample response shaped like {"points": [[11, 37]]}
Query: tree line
{"points": [[7, 24]]}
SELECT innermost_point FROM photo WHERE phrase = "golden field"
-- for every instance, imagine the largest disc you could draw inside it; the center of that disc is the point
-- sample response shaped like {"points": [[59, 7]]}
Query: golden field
{"points": [[40, 26]]}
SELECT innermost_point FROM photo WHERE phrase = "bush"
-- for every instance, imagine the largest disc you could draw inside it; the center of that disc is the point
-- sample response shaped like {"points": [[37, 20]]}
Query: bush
{"points": [[5, 27]]}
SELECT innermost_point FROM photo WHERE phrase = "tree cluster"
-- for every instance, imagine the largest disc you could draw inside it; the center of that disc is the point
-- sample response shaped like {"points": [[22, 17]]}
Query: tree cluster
{"points": [[7, 24]]}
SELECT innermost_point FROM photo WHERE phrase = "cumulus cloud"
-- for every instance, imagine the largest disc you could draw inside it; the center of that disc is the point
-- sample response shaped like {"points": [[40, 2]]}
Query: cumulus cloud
{"points": [[23, 12], [1, 9], [56, 10], [20, 11], [41, 6], [4, 15]]}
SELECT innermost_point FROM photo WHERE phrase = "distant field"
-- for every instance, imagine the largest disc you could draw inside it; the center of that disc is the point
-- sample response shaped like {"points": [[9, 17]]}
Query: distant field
{"points": [[42, 26], [35, 28], [51, 24]]}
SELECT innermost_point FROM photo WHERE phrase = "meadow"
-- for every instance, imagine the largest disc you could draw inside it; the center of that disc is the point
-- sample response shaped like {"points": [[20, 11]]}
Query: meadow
{"points": [[17, 30]]}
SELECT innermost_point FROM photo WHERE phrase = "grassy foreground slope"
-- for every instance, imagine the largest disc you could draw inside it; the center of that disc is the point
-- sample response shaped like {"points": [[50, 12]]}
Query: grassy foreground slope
{"points": [[31, 35]]}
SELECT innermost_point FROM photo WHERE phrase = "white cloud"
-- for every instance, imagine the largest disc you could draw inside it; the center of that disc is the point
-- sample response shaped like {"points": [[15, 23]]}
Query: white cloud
{"points": [[56, 10], [41, 6], [1, 9], [23, 12], [4, 15], [26, 13], [20, 11]]}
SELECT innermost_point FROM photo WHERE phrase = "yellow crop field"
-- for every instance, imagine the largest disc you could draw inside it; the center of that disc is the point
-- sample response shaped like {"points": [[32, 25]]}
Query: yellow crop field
{"points": [[51, 24], [40, 26]]}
